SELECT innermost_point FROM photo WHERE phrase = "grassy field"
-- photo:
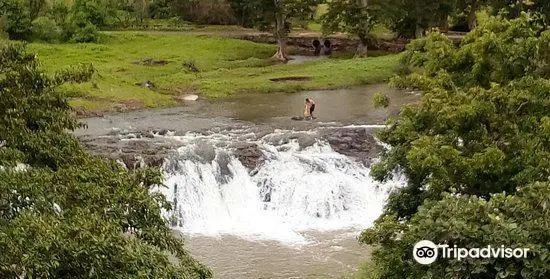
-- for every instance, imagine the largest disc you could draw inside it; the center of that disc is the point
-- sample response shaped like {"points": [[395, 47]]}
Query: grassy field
{"points": [[209, 66]]}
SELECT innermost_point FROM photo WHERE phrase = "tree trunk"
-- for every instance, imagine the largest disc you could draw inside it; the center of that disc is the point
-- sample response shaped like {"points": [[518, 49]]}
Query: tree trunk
{"points": [[418, 32], [362, 50], [445, 25], [472, 15], [280, 32], [282, 52]]}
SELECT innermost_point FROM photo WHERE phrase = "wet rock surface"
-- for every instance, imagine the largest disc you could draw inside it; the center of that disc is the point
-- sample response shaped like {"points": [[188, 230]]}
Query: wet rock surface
{"points": [[151, 148], [249, 154], [358, 143], [134, 150]]}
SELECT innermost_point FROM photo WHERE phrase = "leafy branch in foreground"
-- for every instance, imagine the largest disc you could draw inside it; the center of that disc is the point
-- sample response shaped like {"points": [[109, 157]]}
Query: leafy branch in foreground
{"points": [[63, 212], [476, 152]]}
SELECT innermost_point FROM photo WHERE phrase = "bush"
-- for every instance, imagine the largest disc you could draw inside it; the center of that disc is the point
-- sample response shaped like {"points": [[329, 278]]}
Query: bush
{"points": [[89, 33], [516, 221], [45, 29], [68, 214], [476, 152], [190, 65], [380, 100], [15, 19]]}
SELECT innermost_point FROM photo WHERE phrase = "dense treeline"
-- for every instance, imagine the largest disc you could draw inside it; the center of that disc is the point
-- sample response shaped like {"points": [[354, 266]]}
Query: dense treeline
{"points": [[80, 20], [476, 151]]}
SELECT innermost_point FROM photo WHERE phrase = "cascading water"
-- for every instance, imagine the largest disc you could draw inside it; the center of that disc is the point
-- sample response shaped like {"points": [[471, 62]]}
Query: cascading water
{"points": [[295, 189]]}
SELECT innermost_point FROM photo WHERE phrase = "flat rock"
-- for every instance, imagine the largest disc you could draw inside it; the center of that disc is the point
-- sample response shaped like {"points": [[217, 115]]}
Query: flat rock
{"points": [[190, 97]]}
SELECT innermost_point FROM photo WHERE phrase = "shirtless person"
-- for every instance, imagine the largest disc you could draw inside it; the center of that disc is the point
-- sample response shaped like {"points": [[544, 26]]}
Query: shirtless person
{"points": [[310, 107]]}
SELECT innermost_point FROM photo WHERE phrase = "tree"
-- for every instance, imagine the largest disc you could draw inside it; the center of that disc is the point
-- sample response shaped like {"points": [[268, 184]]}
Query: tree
{"points": [[36, 7], [15, 19], [161, 9], [356, 17], [63, 212], [411, 18], [476, 152], [276, 14], [471, 7]]}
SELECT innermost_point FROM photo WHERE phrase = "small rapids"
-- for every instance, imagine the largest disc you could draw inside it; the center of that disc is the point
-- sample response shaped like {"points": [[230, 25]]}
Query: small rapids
{"points": [[294, 188]]}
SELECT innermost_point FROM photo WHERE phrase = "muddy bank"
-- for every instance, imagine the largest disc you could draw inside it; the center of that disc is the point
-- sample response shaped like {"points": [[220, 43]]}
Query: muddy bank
{"points": [[307, 42]]}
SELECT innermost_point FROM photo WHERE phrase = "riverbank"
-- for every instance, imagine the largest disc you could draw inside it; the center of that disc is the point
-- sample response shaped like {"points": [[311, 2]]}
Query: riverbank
{"points": [[150, 69]]}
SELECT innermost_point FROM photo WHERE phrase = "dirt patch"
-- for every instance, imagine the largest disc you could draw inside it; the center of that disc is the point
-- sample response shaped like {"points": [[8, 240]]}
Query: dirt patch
{"points": [[146, 84], [82, 112], [283, 79], [150, 62], [128, 105]]}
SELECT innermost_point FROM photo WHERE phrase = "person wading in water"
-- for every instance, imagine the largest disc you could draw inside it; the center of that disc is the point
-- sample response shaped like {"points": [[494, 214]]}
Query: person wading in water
{"points": [[310, 107]]}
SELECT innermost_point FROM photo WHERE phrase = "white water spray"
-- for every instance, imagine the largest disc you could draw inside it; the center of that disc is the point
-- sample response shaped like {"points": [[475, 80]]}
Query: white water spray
{"points": [[296, 189]]}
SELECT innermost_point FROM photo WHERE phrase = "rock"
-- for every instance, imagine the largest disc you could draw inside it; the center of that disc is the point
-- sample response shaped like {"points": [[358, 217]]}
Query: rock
{"points": [[147, 84], [190, 97], [249, 154], [133, 153], [354, 142]]}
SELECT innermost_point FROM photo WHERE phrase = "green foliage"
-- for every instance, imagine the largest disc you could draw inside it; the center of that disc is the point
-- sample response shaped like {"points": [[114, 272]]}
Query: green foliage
{"points": [[90, 11], [499, 50], [410, 18], [262, 13], [476, 152], [355, 17], [15, 19], [517, 221], [35, 7], [64, 213], [88, 33], [380, 100], [45, 29], [203, 11], [161, 9]]}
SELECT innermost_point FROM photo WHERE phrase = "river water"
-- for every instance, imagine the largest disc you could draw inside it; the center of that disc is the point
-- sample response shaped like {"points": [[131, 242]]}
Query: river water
{"points": [[297, 212]]}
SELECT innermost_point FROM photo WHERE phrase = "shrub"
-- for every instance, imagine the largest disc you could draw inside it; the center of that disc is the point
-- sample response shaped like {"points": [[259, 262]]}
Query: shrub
{"points": [[15, 19], [89, 33], [381, 100], [45, 29], [190, 65]]}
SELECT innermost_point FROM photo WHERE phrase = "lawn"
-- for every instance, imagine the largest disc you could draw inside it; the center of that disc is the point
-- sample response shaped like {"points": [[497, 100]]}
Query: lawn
{"points": [[206, 65]]}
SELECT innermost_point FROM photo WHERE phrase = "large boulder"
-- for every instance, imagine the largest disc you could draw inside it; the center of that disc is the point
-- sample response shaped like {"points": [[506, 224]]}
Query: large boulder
{"points": [[249, 154], [358, 143]]}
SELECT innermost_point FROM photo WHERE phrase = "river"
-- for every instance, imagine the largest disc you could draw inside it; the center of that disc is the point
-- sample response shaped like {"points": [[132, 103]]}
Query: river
{"points": [[256, 194]]}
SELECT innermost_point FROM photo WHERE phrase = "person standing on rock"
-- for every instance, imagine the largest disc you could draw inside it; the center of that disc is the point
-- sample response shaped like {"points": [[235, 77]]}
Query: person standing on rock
{"points": [[310, 107]]}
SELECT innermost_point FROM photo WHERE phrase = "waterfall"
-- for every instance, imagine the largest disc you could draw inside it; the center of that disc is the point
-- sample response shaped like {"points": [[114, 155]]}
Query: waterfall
{"points": [[295, 189]]}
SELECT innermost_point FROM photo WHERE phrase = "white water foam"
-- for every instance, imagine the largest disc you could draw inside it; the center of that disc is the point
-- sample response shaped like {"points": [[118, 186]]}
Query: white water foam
{"points": [[295, 190]]}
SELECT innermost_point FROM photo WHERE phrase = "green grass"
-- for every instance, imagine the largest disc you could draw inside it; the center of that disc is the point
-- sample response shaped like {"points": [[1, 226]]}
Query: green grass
{"points": [[227, 67]]}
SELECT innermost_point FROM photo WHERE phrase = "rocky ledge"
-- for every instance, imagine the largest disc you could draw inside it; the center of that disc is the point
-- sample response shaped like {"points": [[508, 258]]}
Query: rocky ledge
{"points": [[151, 148]]}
